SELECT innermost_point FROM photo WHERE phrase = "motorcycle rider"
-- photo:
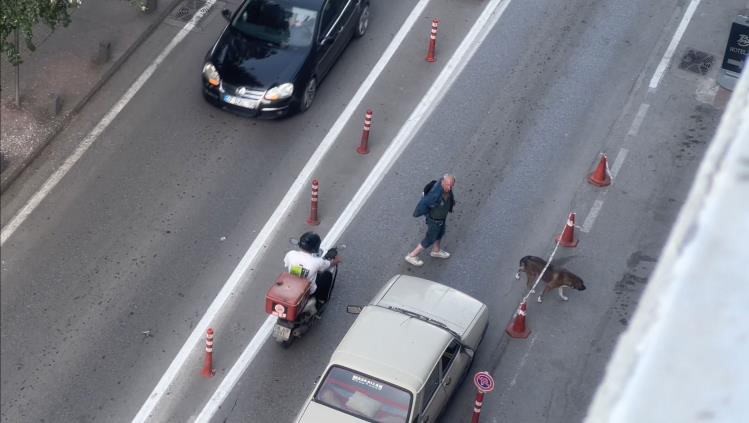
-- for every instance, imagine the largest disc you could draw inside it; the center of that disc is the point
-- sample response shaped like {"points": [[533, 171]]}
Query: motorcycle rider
{"points": [[309, 264]]}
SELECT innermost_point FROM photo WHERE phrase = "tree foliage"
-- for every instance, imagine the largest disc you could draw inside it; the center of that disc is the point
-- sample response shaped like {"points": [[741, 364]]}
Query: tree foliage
{"points": [[23, 15]]}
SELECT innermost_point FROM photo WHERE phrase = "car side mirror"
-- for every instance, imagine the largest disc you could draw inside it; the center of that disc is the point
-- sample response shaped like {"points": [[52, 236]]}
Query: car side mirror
{"points": [[353, 309], [226, 13]]}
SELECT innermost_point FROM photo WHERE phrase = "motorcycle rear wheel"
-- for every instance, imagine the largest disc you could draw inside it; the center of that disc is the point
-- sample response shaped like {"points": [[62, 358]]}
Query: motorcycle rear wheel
{"points": [[287, 343]]}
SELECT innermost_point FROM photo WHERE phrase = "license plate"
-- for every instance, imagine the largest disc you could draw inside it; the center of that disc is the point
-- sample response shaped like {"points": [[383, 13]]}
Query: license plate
{"points": [[241, 102], [281, 332]]}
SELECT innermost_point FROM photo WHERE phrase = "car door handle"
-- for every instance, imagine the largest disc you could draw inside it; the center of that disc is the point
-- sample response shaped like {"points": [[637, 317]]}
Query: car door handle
{"points": [[448, 380]]}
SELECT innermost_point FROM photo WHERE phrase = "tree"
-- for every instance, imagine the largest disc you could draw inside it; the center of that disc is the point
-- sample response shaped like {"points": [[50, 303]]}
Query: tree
{"points": [[20, 17]]}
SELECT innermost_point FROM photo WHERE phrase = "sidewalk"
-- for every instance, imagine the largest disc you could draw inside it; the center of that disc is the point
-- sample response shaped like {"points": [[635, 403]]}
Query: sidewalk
{"points": [[67, 63]]}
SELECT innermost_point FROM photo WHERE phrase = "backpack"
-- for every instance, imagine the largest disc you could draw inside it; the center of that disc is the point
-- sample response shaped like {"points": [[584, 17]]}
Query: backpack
{"points": [[422, 208], [428, 187]]}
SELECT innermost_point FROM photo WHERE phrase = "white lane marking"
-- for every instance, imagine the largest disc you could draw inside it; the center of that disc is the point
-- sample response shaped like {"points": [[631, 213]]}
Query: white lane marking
{"points": [[592, 215], [522, 363], [639, 117], [87, 142], [661, 69], [618, 161], [243, 270], [488, 18], [237, 370], [590, 219]]}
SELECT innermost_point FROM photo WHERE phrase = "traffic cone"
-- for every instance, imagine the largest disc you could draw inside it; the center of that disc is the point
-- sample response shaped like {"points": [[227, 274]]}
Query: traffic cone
{"points": [[516, 328], [567, 238], [600, 177]]}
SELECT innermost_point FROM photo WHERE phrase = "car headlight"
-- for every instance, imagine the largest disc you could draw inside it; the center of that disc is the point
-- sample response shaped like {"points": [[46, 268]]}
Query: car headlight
{"points": [[211, 74], [280, 92]]}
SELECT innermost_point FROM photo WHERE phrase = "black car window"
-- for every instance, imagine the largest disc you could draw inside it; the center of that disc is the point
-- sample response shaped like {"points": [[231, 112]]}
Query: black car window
{"points": [[449, 356], [276, 22], [329, 14]]}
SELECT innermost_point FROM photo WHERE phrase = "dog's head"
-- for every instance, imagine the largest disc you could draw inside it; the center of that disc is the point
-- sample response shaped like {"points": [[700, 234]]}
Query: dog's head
{"points": [[577, 283]]}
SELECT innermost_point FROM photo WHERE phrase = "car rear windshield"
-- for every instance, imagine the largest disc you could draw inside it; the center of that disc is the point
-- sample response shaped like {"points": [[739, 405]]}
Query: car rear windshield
{"points": [[277, 22], [364, 396]]}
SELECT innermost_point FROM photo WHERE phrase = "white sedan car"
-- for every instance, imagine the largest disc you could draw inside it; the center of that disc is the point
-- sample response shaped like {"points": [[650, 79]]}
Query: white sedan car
{"points": [[403, 357]]}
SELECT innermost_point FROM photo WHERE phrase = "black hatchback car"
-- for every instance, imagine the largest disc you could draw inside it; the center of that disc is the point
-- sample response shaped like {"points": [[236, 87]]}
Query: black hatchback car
{"points": [[273, 54]]}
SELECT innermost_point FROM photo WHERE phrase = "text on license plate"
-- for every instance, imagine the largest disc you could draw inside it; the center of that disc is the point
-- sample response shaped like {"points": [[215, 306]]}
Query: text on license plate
{"points": [[281, 332], [241, 102]]}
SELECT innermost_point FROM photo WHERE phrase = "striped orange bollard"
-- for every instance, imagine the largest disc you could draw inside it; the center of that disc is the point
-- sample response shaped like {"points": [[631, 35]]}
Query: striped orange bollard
{"points": [[433, 40], [313, 220], [208, 370], [364, 146]]}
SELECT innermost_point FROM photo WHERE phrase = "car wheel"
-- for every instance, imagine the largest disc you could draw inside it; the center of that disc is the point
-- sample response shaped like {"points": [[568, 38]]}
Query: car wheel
{"points": [[363, 23], [308, 96]]}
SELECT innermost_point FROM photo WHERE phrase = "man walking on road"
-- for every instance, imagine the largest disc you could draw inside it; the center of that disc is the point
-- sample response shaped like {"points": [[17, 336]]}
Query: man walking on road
{"points": [[435, 204]]}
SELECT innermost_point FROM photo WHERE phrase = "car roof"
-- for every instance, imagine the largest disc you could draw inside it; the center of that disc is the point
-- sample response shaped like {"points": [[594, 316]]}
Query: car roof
{"points": [[307, 4], [455, 309], [392, 347]]}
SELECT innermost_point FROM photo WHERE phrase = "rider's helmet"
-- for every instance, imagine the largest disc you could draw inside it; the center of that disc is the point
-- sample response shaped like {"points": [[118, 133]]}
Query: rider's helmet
{"points": [[310, 242]]}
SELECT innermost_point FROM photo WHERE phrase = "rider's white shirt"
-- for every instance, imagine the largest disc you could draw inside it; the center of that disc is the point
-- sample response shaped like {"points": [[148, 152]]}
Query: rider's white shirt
{"points": [[310, 263]]}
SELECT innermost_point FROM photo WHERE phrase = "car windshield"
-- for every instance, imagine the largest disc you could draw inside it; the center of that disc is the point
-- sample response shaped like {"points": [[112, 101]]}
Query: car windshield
{"points": [[364, 396], [276, 22]]}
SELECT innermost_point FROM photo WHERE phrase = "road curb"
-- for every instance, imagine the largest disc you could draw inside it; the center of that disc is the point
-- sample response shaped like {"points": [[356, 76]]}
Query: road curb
{"points": [[14, 170]]}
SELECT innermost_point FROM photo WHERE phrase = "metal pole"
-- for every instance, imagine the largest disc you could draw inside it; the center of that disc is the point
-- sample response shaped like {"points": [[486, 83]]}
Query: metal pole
{"points": [[18, 72]]}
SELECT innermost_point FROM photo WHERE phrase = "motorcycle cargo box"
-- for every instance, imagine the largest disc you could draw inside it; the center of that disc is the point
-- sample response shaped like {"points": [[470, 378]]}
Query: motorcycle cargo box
{"points": [[287, 297]]}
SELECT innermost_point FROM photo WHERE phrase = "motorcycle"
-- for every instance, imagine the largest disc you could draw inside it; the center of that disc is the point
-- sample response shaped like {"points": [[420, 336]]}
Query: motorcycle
{"points": [[290, 300]]}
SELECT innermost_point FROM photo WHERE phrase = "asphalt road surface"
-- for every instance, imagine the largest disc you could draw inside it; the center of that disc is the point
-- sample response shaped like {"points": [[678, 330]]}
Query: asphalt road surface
{"points": [[108, 277]]}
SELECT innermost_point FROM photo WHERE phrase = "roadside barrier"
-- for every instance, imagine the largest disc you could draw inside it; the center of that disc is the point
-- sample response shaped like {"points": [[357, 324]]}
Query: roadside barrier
{"points": [[601, 177], [313, 220], [433, 40], [567, 238], [364, 145], [516, 328], [208, 370]]}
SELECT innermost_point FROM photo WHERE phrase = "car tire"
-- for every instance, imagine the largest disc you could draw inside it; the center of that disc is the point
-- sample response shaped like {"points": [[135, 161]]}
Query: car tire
{"points": [[363, 22], [308, 95]]}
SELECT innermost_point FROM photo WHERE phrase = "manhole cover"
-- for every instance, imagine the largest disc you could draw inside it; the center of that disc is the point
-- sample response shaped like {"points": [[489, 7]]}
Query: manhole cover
{"points": [[186, 10], [696, 61]]}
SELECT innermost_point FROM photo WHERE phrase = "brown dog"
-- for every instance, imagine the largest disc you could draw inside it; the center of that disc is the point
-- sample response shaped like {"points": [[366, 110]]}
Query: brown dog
{"points": [[552, 277]]}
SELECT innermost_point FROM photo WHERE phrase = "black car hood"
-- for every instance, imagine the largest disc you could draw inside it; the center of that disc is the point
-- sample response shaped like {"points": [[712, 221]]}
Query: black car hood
{"points": [[244, 61]]}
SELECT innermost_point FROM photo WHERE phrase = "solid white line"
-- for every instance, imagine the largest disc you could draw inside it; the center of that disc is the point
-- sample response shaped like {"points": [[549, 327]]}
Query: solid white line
{"points": [[637, 122], [661, 69], [590, 219], [87, 142], [237, 370], [417, 118], [243, 271]]}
